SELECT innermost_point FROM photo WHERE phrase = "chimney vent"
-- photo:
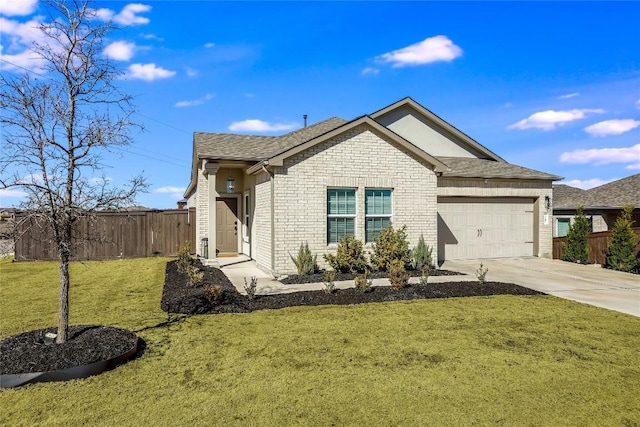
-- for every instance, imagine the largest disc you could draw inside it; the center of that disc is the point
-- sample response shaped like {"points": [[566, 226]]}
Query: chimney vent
{"points": [[304, 116]]}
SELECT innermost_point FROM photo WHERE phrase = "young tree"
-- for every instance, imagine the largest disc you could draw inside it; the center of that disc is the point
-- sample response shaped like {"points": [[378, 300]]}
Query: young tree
{"points": [[621, 254], [56, 124], [576, 249]]}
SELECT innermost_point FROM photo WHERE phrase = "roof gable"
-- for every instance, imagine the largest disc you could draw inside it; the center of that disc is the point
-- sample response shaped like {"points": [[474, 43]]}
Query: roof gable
{"points": [[429, 132]]}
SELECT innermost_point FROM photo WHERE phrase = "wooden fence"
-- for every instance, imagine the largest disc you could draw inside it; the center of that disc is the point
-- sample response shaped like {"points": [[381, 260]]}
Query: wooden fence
{"points": [[597, 243], [112, 235]]}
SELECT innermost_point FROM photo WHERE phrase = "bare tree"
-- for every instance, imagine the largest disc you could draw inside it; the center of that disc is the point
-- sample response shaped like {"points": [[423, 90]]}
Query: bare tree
{"points": [[57, 124]]}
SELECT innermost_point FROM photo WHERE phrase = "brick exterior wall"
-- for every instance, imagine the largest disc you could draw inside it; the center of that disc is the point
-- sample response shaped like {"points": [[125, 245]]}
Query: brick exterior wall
{"points": [[534, 189], [360, 159], [262, 222], [202, 210]]}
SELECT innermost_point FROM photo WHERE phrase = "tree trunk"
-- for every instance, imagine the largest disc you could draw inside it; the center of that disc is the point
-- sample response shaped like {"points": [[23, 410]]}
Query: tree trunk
{"points": [[63, 299]]}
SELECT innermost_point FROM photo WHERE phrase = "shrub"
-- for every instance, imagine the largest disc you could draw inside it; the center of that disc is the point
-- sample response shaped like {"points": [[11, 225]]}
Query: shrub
{"points": [[328, 279], [481, 274], [576, 248], [212, 293], [621, 250], [250, 288], [349, 257], [398, 276], [305, 262], [187, 264], [422, 255], [424, 275], [363, 284], [391, 245]]}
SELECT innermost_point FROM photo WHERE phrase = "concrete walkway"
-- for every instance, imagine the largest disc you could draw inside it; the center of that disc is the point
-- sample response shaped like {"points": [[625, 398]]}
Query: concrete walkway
{"points": [[584, 283], [239, 268]]}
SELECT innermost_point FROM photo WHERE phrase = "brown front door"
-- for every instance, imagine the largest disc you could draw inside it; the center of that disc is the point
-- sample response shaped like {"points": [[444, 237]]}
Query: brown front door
{"points": [[227, 225]]}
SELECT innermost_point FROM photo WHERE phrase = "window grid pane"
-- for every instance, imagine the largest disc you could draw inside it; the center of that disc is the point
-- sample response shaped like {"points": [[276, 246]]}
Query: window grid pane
{"points": [[374, 226], [378, 202], [337, 228], [341, 202]]}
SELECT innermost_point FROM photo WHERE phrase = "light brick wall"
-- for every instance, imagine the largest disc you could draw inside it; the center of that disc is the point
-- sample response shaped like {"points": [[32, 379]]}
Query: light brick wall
{"points": [[262, 222], [359, 158], [534, 189], [202, 211]]}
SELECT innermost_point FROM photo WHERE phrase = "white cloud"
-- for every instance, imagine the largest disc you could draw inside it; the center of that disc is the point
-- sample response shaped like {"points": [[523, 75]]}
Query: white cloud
{"points": [[174, 192], [209, 45], [120, 50], [17, 39], [370, 70], [548, 120], [148, 72], [605, 156], [432, 49], [612, 127], [254, 125], [587, 183], [18, 7], [151, 37], [569, 95], [127, 16], [194, 102], [191, 72], [638, 104], [12, 193]]}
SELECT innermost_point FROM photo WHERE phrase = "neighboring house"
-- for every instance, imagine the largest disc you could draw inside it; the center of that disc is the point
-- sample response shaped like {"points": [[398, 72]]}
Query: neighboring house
{"points": [[263, 196], [602, 205]]}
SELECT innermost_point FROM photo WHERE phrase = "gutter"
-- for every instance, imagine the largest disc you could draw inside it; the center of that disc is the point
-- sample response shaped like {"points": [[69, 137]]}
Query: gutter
{"points": [[273, 219]]}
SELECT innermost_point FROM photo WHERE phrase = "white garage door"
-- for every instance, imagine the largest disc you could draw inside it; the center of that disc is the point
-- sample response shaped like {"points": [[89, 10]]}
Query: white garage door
{"points": [[472, 228]]}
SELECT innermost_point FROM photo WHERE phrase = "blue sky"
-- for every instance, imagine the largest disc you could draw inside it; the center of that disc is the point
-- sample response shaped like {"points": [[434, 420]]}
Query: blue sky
{"points": [[551, 86]]}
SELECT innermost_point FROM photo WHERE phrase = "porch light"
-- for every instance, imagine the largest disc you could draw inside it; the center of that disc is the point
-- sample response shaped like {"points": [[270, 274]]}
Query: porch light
{"points": [[231, 185], [547, 202]]}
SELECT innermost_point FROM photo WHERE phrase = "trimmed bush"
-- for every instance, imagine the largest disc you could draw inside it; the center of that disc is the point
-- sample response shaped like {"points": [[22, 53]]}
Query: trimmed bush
{"points": [[621, 250], [349, 257], [305, 262], [363, 284], [576, 248], [398, 276], [422, 255], [187, 264], [391, 245]]}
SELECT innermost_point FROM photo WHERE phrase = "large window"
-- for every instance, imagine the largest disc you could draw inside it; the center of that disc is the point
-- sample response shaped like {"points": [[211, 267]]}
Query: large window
{"points": [[563, 226], [341, 213], [378, 209]]}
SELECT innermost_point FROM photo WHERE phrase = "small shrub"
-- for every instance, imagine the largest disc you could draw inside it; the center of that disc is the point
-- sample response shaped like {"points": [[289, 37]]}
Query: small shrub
{"points": [[328, 279], [481, 274], [422, 255], [194, 275], [398, 276], [576, 248], [391, 245], [185, 260], [621, 250], [213, 293], [363, 284], [250, 288], [349, 257], [424, 275], [304, 261]]}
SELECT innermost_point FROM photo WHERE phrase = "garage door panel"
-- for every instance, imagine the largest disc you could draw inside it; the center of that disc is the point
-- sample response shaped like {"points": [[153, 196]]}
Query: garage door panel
{"points": [[473, 228]]}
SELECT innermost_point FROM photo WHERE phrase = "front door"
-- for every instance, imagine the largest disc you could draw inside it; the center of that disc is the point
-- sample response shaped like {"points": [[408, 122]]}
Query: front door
{"points": [[226, 226]]}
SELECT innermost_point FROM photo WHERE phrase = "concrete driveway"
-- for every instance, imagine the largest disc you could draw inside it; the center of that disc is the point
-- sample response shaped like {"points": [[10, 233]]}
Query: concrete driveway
{"points": [[583, 283]]}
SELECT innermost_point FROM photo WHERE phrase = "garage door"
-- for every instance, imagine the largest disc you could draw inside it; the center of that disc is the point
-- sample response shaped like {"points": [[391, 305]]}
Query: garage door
{"points": [[472, 228]]}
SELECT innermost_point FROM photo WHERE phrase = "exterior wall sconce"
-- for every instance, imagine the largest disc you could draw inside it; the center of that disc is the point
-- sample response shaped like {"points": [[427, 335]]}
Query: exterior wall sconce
{"points": [[231, 185], [547, 202]]}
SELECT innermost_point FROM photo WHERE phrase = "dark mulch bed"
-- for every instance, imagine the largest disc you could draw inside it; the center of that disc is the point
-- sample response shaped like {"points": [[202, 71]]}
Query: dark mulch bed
{"points": [[318, 277], [27, 353], [177, 297]]}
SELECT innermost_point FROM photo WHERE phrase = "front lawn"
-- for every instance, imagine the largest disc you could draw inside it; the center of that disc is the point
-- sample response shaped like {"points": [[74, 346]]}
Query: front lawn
{"points": [[505, 360]]}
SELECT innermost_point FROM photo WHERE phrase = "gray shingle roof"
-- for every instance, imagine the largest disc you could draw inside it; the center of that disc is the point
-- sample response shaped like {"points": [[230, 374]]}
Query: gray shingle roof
{"points": [[567, 197], [226, 146], [614, 195], [463, 167]]}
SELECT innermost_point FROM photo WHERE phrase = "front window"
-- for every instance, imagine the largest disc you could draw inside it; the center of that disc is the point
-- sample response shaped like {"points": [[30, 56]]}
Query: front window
{"points": [[378, 208], [563, 227], [341, 213]]}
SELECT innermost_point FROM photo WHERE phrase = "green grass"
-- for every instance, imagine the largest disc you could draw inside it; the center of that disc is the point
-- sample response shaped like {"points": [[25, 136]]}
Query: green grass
{"points": [[468, 361]]}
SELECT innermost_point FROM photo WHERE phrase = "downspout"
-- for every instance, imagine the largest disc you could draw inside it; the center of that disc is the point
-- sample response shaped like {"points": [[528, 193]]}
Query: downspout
{"points": [[273, 222]]}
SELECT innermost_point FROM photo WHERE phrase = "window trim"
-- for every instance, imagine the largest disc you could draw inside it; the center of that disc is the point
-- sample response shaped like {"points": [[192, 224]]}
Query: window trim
{"points": [[368, 215], [353, 216], [246, 223]]}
